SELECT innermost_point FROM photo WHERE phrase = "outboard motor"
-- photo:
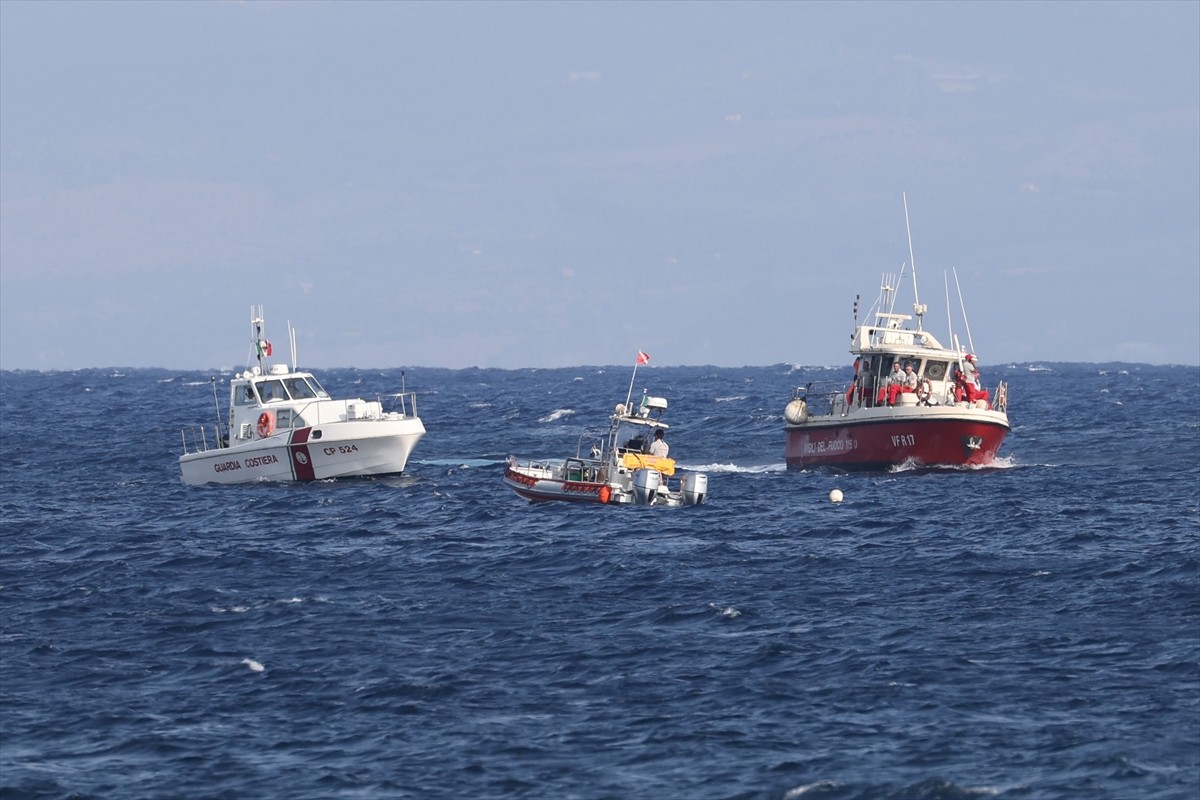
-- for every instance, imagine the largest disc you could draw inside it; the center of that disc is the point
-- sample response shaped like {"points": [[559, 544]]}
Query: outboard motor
{"points": [[695, 486], [645, 486]]}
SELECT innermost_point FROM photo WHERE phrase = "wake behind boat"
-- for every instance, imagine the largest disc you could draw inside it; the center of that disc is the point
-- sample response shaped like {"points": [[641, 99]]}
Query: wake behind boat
{"points": [[912, 401], [283, 426], [627, 464]]}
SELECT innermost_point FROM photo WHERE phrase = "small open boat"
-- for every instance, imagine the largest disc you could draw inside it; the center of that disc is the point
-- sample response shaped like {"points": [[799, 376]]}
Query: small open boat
{"points": [[614, 466], [912, 401], [283, 426]]}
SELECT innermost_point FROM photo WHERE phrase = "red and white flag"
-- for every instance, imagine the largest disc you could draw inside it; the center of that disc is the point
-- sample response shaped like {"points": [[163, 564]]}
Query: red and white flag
{"points": [[643, 358]]}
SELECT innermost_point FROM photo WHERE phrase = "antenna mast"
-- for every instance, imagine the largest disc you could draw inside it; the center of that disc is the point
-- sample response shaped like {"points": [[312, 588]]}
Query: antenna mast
{"points": [[292, 343], [256, 322], [918, 309], [961, 305]]}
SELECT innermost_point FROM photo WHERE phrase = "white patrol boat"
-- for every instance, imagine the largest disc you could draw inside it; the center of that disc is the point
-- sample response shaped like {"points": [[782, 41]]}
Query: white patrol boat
{"points": [[283, 426], [613, 466]]}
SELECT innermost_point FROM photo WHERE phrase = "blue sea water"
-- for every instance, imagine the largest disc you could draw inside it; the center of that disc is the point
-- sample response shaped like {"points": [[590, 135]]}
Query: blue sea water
{"points": [[1027, 631]]}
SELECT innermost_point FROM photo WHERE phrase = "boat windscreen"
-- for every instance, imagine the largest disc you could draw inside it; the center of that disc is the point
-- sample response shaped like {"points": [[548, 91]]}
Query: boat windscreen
{"points": [[317, 387], [272, 390], [300, 389]]}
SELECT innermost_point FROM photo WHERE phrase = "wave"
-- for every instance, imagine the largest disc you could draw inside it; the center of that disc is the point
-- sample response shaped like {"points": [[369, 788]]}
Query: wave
{"points": [[752, 469], [557, 414]]}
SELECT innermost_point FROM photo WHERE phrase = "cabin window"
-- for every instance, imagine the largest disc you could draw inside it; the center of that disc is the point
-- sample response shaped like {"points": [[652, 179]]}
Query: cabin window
{"points": [[272, 390], [287, 418], [300, 389], [935, 370], [317, 387], [244, 396]]}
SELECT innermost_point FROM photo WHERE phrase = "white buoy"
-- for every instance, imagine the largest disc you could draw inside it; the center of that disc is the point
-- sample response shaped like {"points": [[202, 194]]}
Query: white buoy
{"points": [[835, 496]]}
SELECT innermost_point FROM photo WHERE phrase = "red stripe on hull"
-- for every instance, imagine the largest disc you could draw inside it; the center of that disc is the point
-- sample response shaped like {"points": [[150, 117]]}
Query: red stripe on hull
{"points": [[302, 465], [878, 445]]}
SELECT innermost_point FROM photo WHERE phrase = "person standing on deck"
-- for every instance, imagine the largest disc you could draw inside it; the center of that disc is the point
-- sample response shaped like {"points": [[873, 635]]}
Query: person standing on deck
{"points": [[659, 447]]}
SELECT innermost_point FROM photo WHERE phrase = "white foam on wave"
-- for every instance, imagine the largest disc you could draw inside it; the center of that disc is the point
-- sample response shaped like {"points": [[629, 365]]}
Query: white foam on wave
{"points": [[754, 469], [464, 462], [728, 612], [800, 791], [1000, 462], [558, 414], [253, 665], [733, 399]]}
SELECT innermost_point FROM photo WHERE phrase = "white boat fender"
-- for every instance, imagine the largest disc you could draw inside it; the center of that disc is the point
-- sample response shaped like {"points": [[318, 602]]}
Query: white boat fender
{"points": [[796, 411]]}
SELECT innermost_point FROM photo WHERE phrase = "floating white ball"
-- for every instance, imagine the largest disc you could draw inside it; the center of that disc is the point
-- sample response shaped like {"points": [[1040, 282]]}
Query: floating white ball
{"points": [[835, 496]]}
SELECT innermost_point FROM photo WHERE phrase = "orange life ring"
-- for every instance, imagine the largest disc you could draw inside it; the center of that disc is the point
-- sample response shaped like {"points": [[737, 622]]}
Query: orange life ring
{"points": [[605, 494], [266, 424]]}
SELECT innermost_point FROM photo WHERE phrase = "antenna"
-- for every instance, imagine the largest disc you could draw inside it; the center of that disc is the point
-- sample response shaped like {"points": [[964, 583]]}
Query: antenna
{"points": [[292, 343], [887, 293], [256, 322], [961, 305], [918, 309], [216, 405], [632, 378], [949, 317]]}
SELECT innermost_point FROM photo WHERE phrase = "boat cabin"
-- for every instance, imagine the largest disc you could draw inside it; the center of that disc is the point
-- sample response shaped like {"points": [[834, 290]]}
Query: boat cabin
{"points": [[633, 428], [262, 405]]}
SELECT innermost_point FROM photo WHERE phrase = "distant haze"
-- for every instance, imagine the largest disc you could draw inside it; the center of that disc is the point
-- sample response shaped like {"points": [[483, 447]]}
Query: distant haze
{"points": [[550, 184]]}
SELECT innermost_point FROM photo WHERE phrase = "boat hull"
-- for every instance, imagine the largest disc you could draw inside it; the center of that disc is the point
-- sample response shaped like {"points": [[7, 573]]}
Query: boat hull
{"points": [[642, 487], [546, 489], [942, 437], [359, 448]]}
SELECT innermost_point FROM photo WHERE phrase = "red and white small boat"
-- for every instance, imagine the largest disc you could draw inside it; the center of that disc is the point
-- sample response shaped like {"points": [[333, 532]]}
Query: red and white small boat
{"points": [[942, 417], [283, 426], [613, 466]]}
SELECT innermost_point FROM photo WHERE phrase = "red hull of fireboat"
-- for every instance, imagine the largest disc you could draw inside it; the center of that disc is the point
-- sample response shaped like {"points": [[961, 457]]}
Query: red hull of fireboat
{"points": [[878, 445]]}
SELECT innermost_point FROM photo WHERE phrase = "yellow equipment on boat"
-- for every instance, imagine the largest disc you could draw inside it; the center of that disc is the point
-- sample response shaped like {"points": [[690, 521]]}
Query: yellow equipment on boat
{"points": [[638, 460]]}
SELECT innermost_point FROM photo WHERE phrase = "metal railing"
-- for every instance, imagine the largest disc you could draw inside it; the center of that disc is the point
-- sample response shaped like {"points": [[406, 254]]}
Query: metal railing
{"points": [[195, 439]]}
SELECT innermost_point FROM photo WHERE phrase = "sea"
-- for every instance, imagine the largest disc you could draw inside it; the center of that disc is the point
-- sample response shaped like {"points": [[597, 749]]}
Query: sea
{"points": [[1029, 630]]}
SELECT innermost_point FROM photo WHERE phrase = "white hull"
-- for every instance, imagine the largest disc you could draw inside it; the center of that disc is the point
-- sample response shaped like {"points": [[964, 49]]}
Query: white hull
{"points": [[356, 448], [544, 482], [283, 427]]}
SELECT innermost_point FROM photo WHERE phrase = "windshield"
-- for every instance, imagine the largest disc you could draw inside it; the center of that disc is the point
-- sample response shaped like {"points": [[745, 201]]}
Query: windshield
{"points": [[300, 389]]}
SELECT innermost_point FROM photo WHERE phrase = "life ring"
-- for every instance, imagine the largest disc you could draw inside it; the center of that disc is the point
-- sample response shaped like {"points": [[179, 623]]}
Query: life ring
{"points": [[605, 494], [266, 424]]}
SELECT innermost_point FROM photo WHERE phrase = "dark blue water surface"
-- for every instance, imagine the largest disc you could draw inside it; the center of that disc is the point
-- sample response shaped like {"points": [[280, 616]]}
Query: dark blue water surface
{"points": [[1028, 631]]}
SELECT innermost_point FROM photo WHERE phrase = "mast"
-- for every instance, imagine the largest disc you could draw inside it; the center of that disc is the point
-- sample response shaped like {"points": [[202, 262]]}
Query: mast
{"points": [[950, 320], [963, 307], [292, 343], [918, 309], [256, 324], [629, 394]]}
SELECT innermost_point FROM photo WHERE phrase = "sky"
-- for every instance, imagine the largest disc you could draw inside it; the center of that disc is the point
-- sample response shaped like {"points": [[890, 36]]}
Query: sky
{"points": [[547, 184]]}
